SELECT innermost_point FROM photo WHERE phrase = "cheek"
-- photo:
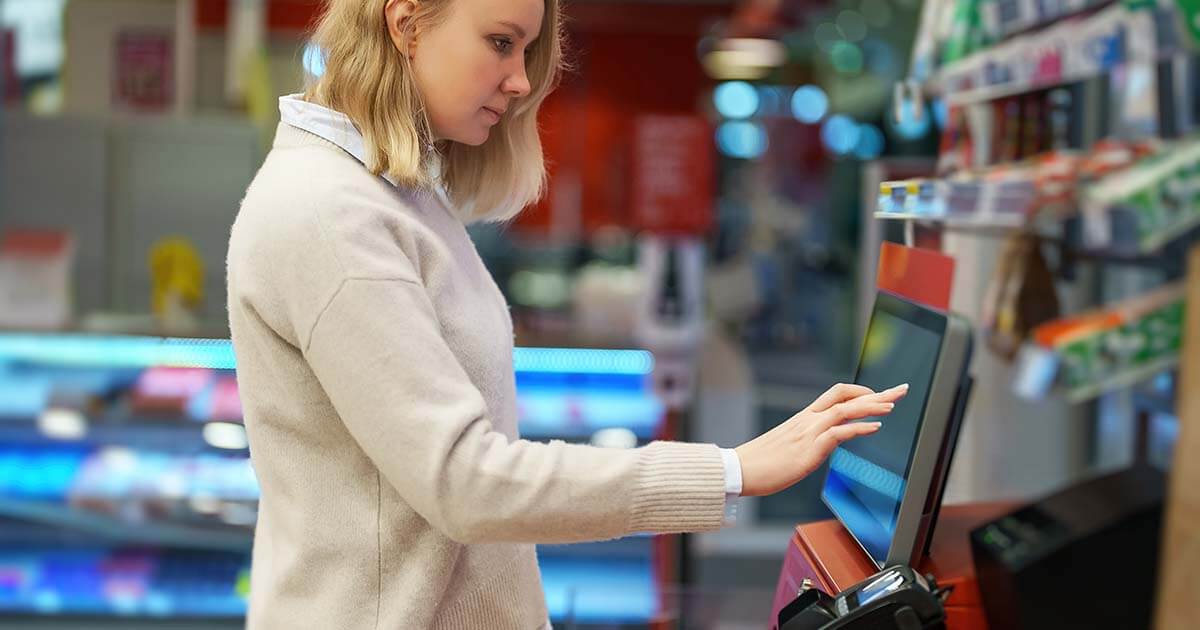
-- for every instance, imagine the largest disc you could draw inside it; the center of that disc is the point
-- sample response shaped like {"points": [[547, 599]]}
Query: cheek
{"points": [[475, 79], [454, 82]]}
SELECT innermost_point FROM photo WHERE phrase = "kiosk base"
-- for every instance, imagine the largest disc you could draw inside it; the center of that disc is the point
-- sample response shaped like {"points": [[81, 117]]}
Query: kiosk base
{"points": [[825, 553]]}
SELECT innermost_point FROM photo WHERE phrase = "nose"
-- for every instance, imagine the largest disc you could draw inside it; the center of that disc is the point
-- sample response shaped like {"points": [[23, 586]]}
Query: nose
{"points": [[516, 83]]}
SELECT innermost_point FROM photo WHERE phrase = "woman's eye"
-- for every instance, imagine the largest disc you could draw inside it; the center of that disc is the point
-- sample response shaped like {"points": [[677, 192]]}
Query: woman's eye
{"points": [[502, 45]]}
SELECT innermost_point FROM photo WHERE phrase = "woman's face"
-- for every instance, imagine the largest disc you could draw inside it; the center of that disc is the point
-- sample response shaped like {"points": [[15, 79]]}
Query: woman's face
{"points": [[470, 67]]}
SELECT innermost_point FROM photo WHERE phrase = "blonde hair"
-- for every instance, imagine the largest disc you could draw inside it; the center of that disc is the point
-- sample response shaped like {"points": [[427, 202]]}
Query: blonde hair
{"points": [[369, 81]]}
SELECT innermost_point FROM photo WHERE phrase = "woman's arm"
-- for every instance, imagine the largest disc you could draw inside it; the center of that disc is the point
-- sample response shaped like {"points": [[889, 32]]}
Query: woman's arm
{"points": [[378, 352]]}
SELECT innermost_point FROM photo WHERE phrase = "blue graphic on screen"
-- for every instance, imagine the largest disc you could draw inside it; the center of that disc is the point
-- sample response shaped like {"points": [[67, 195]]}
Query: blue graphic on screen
{"points": [[867, 475]]}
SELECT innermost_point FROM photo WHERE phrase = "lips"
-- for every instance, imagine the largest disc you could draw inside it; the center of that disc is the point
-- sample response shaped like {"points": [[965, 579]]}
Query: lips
{"points": [[498, 112]]}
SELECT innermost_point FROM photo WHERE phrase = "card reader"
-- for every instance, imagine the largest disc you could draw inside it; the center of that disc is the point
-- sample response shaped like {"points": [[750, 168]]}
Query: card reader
{"points": [[896, 598]]}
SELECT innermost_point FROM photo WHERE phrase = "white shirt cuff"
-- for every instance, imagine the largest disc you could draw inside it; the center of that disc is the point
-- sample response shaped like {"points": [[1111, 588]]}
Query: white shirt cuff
{"points": [[733, 471], [733, 484]]}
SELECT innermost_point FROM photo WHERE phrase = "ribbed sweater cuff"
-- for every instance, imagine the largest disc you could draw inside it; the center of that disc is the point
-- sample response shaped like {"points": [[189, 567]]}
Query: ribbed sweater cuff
{"points": [[680, 488]]}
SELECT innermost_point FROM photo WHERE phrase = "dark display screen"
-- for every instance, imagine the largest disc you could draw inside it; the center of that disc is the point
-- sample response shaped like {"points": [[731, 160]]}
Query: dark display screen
{"points": [[868, 475]]}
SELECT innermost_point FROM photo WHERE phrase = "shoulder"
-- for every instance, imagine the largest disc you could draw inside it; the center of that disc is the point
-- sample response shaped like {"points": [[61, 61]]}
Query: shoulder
{"points": [[315, 201]]}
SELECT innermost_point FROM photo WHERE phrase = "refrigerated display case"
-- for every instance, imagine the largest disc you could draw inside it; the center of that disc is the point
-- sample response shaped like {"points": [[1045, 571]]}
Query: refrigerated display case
{"points": [[126, 488]]}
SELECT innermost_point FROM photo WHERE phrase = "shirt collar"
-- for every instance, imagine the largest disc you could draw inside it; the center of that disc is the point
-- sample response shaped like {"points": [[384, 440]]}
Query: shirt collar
{"points": [[337, 128], [331, 125]]}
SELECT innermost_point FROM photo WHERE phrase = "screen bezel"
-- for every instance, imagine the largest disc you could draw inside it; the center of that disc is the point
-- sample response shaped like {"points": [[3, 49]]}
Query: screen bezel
{"points": [[937, 322]]}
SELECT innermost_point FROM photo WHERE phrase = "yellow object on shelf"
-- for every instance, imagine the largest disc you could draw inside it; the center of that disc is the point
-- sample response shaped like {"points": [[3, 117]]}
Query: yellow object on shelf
{"points": [[177, 275]]}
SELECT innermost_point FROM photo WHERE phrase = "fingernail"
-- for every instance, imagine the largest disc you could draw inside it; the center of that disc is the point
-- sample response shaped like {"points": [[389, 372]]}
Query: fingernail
{"points": [[900, 388], [890, 406], [877, 424]]}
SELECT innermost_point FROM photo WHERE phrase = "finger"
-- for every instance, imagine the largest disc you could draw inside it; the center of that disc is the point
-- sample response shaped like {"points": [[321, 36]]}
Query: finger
{"points": [[834, 436], [838, 393], [843, 393], [891, 395], [857, 409], [886, 396]]}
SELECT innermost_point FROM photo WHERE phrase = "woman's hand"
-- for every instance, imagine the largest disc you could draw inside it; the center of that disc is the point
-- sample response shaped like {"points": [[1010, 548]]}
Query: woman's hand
{"points": [[791, 451]]}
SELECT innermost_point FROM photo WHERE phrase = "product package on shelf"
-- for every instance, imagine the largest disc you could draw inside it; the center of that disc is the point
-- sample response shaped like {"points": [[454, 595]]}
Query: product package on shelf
{"points": [[1189, 20], [140, 585], [1026, 194], [1003, 197], [1142, 208], [998, 200], [1020, 296], [148, 487], [968, 32], [35, 278], [1007, 17], [1068, 50], [1092, 353]]}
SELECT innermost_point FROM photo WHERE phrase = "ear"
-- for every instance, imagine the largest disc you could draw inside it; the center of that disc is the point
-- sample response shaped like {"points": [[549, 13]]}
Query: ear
{"points": [[396, 13]]}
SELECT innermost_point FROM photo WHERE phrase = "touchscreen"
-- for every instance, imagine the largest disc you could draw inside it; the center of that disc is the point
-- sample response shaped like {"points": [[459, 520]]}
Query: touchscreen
{"points": [[867, 475]]}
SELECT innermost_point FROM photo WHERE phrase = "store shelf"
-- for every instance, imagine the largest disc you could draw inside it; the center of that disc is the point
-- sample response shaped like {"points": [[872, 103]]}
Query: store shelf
{"points": [[125, 496], [145, 583], [163, 437], [103, 444], [976, 96], [986, 202], [87, 585], [1147, 205], [1000, 222], [117, 531], [1084, 356], [1018, 24], [1129, 214], [160, 394], [1065, 51], [1121, 381]]}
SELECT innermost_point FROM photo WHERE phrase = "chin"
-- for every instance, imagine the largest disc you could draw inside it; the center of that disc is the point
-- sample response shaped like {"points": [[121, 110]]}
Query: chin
{"points": [[472, 138]]}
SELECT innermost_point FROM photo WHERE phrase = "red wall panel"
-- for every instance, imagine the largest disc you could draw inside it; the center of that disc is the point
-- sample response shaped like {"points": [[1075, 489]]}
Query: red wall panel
{"points": [[282, 15], [629, 59]]}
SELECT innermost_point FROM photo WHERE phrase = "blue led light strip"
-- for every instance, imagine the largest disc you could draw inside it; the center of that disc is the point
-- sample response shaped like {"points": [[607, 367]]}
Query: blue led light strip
{"points": [[583, 361], [111, 351], [116, 351]]}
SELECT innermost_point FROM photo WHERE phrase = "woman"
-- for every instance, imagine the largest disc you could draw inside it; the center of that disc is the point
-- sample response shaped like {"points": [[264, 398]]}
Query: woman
{"points": [[375, 352]]}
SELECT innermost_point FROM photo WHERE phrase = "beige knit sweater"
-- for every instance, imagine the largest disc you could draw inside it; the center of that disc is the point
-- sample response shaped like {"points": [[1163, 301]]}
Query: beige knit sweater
{"points": [[375, 366]]}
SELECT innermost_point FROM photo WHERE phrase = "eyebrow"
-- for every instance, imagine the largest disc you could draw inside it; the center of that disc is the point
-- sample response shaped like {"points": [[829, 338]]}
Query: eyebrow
{"points": [[519, 31]]}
